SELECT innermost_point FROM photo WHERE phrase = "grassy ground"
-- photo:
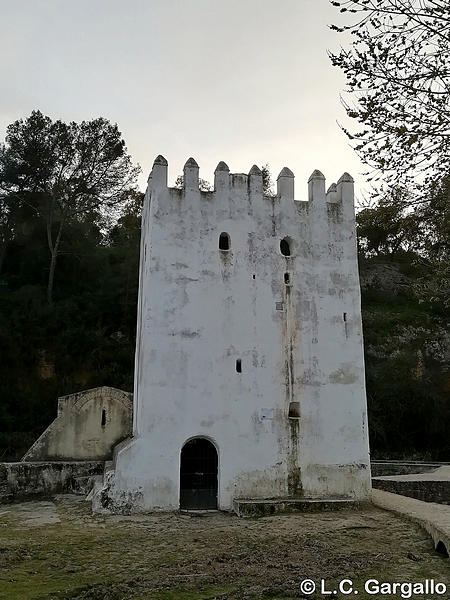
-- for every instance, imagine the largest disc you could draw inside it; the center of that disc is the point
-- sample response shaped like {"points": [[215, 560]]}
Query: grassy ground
{"points": [[58, 550]]}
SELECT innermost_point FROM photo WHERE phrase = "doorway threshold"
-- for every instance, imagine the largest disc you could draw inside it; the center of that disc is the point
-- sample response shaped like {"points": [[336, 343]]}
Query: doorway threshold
{"points": [[199, 512]]}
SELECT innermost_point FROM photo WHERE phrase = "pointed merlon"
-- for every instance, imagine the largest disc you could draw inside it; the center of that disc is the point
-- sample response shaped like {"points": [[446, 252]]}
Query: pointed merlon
{"points": [[255, 181], [285, 184], [190, 172], [190, 163], [255, 170], [285, 172], [160, 160], [346, 195], [222, 177], [347, 178], [222, 166], [316, 174], [332, 194], [158, 176], [316, 188]]}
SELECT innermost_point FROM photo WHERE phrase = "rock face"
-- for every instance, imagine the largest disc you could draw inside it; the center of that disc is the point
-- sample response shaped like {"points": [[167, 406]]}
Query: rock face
{"points": [[87, 426], [249, 374]]}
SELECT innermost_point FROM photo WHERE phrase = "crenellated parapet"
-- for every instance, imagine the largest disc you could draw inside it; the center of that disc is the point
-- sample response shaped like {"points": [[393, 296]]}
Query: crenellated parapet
{"points": [[250, 186]]}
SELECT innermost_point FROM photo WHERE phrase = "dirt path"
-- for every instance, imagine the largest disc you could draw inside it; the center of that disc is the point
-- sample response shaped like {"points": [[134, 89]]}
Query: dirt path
{"points": [[58, 550]]}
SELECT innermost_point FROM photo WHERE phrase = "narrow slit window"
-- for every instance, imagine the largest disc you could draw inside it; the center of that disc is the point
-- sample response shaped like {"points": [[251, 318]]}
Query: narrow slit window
{"points": [[103, 417], [287, 278], [285, 247], [224, 241], [238, 366], [344, 318]]}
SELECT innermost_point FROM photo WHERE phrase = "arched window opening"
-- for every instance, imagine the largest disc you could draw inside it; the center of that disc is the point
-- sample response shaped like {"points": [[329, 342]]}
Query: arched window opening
{"points": [[238, 365], [287, 278], [441, 549], [285, 247], [224, 241], [198, 475], [103, 417]]}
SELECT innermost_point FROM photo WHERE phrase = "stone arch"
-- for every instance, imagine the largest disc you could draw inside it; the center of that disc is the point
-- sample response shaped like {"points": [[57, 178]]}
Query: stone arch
{"points": [[442, 549]]}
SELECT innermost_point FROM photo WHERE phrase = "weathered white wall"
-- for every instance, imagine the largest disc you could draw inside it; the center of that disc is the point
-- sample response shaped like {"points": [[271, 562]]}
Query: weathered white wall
{"points": [[77, 432], [201, 308]]}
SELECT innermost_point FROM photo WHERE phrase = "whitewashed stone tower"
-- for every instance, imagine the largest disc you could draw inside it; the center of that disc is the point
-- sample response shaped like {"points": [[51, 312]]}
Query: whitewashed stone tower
{"points": [[249, 376]]}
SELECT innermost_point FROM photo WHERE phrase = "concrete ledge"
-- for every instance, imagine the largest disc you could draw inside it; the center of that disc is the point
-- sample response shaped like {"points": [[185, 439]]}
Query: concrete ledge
{"points": [[434, 518], [257, 507], [27, 480]]}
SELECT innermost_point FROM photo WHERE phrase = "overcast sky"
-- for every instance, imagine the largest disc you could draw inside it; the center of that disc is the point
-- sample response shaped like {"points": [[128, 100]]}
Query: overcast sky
{"points": [[244, 81]]}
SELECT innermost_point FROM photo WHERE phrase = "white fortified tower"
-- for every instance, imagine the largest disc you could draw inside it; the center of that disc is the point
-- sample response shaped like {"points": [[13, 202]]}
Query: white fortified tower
{"points": [[249, 376]]}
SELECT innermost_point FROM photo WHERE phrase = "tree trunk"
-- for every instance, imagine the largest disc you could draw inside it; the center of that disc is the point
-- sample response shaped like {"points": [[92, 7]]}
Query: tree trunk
{"points": [[6, 239], [2, 256], [54, 251], [51, 276]]}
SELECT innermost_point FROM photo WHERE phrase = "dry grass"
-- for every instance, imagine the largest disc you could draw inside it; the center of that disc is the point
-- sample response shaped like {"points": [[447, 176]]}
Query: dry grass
{"points": [[57, 550]]}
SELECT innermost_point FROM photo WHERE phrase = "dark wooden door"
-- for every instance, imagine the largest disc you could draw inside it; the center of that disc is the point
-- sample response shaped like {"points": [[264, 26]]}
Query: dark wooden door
{"points": [[198, 475]]}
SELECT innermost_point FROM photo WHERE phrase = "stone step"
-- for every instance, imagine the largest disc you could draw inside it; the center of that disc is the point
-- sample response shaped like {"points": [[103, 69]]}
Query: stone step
{"points": [[264, 507]]}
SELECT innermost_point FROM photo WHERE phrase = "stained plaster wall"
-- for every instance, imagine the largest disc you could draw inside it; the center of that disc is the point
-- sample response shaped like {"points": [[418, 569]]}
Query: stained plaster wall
{"points": [[200, 309], [77, 433]]}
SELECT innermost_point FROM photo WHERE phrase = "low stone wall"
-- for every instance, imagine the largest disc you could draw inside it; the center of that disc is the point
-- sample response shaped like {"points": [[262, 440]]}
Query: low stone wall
{"points": [[381, 468], [428, 491], [27, 480]]}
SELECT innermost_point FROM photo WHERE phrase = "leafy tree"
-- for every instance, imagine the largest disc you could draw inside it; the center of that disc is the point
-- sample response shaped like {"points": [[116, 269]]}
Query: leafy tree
{"points": [[434, 286], [389, 226], [398, 78], [204, 186], [7, 225], [62, 172], [124, 246], [267, 180]]}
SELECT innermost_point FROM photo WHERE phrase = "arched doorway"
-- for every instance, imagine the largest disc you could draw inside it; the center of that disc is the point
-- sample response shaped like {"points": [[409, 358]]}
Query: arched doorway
{"points": [[198, 475]]}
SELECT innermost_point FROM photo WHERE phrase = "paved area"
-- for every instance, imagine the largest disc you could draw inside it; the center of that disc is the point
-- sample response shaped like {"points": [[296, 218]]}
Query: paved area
{"points": [[433, 517], [440, 474]]}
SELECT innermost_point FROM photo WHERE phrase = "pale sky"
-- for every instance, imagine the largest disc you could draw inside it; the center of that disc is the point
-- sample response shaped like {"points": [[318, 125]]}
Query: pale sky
{"points": [[244, 81]]}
